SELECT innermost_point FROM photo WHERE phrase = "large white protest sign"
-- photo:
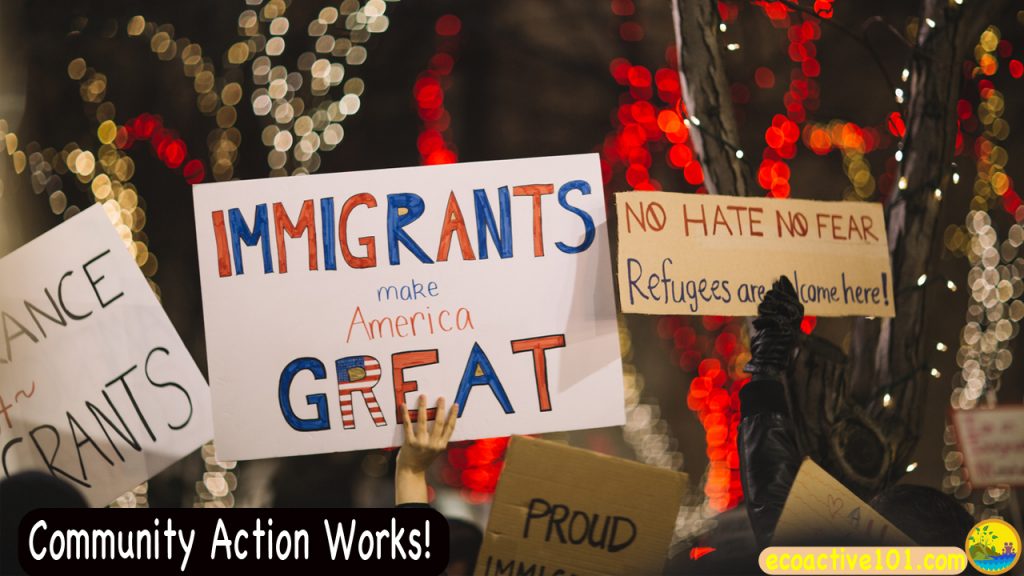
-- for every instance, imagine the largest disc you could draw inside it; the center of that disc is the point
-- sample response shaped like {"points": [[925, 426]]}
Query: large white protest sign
{"points": [[330, 300], [702, 254], [96, 387]]}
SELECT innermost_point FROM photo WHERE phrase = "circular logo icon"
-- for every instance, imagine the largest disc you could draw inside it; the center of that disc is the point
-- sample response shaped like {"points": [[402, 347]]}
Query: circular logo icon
{"points": [[993, 546]]}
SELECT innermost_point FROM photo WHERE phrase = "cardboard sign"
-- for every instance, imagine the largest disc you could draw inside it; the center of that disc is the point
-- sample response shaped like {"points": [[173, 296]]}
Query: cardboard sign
{"points": [[96, 387], [331, 300], [820, 510], [993, 444], [564, 510], [700, 254]]}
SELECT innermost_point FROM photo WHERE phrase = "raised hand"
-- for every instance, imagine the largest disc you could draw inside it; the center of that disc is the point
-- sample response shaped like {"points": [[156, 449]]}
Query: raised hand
{"points": [[423, 443], [778, 327]]}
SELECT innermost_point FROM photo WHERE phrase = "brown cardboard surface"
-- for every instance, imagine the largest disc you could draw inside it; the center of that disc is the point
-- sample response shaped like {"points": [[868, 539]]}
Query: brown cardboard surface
{"points": [[700, 254], [820, 510], [595, 489]]}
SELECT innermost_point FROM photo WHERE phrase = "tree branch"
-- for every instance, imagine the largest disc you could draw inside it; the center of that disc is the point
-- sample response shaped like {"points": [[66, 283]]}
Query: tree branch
{"points": [[706, 94]]}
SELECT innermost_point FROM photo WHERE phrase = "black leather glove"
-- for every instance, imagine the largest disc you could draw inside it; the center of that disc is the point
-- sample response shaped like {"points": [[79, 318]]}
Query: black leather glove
{"points": [[778, 327]]}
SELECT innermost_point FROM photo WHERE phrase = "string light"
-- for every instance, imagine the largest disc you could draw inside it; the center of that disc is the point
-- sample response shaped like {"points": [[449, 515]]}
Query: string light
{"points": [[941, 347], [855, 143], [219, 482], [301, 126], [106, 174], [651, 114], [922, 279], [643, 125], [994, 308], [650, 437], [304, 109], [435, 142], [802, 95], [911, 467], [475, 466]]}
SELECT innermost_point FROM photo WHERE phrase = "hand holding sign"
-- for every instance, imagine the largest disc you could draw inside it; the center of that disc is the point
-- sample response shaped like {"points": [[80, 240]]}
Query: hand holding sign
{"points": [[421, 448]]}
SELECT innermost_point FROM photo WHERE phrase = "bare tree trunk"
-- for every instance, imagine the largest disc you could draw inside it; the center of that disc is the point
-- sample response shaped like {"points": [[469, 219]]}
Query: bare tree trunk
{"points": [[706, 94]]}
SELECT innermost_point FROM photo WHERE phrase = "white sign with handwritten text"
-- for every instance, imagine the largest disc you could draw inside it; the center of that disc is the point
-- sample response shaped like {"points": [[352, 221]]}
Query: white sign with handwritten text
{"points": [[993, 444], [96, 387], [820, 510], [331, 300]]}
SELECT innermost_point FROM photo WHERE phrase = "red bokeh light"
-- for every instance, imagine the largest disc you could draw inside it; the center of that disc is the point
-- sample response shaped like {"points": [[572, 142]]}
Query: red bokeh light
{"points": [[764, 77], [823, 8], [173, 153], [896, 126], [448, 25], [194, 171], [808, 323], [639, 77], [1004, 48], [631, 32], [693, 173], [1016, 68]]}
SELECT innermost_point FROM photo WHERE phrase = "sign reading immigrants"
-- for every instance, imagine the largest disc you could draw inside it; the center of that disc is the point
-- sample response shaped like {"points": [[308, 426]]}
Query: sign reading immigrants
{"points": [[330, 299]]}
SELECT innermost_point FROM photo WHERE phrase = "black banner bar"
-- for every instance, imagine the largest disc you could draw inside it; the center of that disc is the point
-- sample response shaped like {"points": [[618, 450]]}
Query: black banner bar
{"points": [[173, 541]]}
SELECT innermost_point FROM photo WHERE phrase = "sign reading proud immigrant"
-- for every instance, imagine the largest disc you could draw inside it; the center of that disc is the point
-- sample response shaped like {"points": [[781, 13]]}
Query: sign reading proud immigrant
{"points": [[696, 254], [96, 387], [550, 516], [331, 300]]}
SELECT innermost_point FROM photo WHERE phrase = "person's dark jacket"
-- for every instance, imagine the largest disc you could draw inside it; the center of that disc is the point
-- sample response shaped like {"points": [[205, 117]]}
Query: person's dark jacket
{"points": [[768, 450], [769, 455]]}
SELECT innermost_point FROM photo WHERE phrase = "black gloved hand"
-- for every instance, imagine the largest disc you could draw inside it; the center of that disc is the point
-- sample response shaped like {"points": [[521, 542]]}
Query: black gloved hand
{"points": [[778, 327]]}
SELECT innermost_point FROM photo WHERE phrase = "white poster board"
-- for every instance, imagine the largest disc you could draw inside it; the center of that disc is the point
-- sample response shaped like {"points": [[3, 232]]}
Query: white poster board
{"points": [[993, 444], [96, 387], [331, 299]]}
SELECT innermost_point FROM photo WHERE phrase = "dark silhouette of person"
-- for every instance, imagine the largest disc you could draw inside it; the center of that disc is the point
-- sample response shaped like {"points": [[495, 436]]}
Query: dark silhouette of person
{"points": [[20, 494], [770, 457]]}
